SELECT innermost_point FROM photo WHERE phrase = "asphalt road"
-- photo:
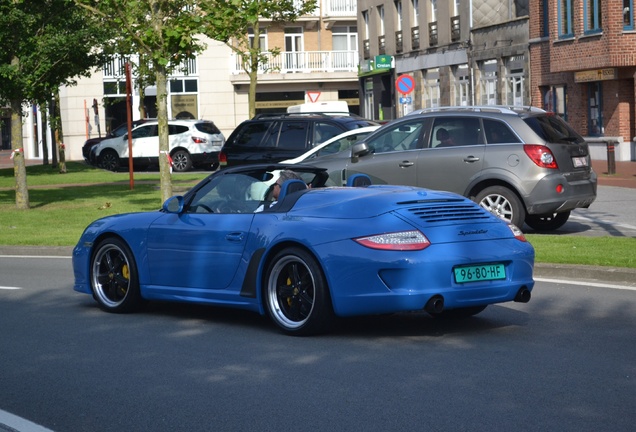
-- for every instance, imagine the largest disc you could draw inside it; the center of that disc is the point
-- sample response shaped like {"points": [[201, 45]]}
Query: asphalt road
{"points": [[564, 361]]}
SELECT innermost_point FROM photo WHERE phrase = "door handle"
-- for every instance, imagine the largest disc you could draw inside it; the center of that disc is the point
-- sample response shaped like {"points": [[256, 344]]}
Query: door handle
{"points": [[235, 237], [406, 164], [471, 159]]}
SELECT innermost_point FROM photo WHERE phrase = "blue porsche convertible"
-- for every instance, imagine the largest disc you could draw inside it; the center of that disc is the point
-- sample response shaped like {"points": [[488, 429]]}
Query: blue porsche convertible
{"points": [[281, 243]]}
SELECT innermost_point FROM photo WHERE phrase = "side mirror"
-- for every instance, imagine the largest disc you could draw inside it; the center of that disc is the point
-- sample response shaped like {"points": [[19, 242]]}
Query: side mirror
{"points": [[357, 150], [173, 205]]}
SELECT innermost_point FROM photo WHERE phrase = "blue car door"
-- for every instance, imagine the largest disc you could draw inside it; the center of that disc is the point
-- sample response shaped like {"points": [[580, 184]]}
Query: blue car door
{"points": [[197, 250]]}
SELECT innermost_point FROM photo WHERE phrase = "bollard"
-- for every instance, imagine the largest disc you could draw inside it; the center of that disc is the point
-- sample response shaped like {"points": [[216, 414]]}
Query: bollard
{"points": [[611, 157]]}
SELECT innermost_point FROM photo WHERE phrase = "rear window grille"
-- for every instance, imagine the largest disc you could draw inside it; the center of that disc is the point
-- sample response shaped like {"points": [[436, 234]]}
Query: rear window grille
{"points": [[437, 212]]}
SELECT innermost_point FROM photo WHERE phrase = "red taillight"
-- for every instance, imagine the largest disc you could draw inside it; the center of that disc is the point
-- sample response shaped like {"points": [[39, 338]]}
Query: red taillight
{"points": [[397, 241], [517, 232], [198, 140], [222, 158], [541, 155]]}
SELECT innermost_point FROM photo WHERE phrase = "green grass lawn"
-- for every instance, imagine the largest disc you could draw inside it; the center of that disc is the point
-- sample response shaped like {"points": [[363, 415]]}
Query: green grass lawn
{"points": [[62, 205]]}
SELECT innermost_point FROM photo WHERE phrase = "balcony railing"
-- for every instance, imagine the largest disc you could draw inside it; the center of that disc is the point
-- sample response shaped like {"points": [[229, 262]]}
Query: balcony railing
{"points": [[399, 43], [340, 7], [415, 38], [305, 61], [432, 33], [382, 45], [455, 31], [366, 46]]}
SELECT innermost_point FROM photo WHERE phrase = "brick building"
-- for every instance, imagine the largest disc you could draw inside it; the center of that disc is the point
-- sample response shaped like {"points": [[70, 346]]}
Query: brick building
{"points": [[583, 64]]}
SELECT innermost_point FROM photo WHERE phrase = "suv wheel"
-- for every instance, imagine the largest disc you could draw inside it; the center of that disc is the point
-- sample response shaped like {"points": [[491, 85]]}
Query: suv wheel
{"points": [[109, 160], [547, 222], [181, 161], [503, 203]]}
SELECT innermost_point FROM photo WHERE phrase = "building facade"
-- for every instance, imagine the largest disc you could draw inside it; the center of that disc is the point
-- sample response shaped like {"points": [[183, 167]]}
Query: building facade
{"points": [[457, 52], [583, 59], [318, 62]]}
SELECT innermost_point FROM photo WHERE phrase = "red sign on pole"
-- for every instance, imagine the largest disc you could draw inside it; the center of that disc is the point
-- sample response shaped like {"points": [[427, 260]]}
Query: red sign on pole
{"points": [[405, 84]]}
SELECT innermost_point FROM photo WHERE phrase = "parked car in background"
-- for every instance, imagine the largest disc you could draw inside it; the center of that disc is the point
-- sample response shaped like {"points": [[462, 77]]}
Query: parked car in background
{"points": [[193, 143], [523, 164], [271, 138], [117, 132], [315, 254], [339, 143]]}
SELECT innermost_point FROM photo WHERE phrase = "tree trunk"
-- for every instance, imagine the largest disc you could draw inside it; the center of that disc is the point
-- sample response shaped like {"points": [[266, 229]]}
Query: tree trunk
{"points": [[165, 166], [19, 166]]}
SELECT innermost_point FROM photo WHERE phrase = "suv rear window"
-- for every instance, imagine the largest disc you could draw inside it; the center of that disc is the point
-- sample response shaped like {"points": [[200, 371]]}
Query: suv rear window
{"points": [[208, 128], [553, 129]]}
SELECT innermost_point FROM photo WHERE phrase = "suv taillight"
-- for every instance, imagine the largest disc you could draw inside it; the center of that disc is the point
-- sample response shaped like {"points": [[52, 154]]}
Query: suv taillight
{"points": [[541, 155], [222, 158], [198, 140]]}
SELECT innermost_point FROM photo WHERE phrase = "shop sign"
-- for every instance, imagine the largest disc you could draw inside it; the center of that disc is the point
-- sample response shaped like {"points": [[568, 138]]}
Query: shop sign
{"points": [[383, 62], [595, 75]]}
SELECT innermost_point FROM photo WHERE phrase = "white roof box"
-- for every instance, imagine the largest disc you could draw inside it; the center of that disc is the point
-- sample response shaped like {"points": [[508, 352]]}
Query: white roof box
{"points": [[331, 107]]}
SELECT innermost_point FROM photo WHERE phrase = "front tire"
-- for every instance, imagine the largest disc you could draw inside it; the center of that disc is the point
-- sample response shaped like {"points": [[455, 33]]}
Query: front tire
{"points": [[503, 203], [549, 222], [296, 294], [181, 161], [114, 278], [109, 159]]}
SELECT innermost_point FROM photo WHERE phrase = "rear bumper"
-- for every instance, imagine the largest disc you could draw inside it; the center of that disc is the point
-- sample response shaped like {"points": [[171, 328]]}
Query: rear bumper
{"points": [[211, 158], [544, 199]]}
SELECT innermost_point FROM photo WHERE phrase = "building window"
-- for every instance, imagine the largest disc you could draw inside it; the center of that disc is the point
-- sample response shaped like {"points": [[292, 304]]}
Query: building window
{"points": [[462, 85], [416, 12], [488, 82], [565, 19], [628, 16], [515, 80], [545, 25], [433, 11], [554, 100], [595, 109], [398, 15], [592, 13], [262, 39], [294, 59], [381, 20], [431, 89], [344, 41], [415, 30]]}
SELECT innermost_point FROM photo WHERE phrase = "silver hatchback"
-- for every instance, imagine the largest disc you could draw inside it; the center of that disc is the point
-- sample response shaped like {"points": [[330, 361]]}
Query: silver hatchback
{"points": [[521, 163]]}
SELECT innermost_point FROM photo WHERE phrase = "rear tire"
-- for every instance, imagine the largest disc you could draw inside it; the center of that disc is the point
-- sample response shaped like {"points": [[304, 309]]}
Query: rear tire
{"points": [[549, 222], [181, 161], [296, 294], [503, 203]]}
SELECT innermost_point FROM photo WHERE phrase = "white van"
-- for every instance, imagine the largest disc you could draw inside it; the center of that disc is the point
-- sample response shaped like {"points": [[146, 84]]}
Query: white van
{"points": [[321, 107]]}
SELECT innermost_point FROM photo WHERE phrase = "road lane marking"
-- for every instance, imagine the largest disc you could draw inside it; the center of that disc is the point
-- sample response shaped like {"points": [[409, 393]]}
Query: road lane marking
{"points": [[16, 423], [584, 283], [9, 288]]}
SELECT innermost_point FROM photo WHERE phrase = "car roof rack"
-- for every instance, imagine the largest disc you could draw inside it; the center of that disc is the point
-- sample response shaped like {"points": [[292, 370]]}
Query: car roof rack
{"points": [[503, 109]]}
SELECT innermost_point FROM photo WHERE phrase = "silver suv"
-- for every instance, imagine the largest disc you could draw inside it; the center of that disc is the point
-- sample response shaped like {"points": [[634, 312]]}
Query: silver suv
{"points": [[521, 163]]}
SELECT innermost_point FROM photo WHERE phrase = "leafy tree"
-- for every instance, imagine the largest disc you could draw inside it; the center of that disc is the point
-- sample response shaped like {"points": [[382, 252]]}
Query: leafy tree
{"points": [[238, 24], [44, 44], [162, 32]]}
